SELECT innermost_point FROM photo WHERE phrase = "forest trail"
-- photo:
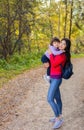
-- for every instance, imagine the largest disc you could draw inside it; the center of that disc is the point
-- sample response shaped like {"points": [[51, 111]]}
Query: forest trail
{"points": [[23, 102]]}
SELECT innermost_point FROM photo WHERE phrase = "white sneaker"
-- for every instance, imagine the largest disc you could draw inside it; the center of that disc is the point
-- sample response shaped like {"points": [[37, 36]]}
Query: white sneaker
{"points": [[47, 78], [52, 119], [58, 123]]}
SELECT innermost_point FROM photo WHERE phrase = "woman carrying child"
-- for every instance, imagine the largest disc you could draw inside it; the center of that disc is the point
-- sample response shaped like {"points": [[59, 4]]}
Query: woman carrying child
{"points": [[54, 47], [54, 96]]}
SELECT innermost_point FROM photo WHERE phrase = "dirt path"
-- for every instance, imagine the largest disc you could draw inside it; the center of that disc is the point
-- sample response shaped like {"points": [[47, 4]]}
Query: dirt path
{"points": [[23, 104]]}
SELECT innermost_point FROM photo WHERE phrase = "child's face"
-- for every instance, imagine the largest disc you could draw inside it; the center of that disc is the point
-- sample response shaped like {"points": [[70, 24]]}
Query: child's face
{"points": [[56, 44]]}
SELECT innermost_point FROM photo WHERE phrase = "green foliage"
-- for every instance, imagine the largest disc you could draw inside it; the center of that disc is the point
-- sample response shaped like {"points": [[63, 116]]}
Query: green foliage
{"points": [[78, 55], [17, 64]]}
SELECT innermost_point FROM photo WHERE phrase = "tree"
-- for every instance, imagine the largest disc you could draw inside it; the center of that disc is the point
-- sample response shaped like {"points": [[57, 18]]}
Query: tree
{"points": [[17, 18], [71, 16], [65, 22]]}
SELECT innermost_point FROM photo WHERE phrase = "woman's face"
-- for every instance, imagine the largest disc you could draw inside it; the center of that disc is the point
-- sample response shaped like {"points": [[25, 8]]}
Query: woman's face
{"points": [[62, 45]]}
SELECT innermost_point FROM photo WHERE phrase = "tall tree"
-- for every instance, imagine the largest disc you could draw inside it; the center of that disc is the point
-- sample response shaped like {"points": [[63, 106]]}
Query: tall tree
{"points": [[71, 17], [65, 22], [16, 19], [20, 12], [59, 19]]}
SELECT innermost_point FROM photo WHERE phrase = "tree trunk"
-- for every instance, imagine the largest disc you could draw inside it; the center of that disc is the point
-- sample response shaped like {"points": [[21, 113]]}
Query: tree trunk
{"points": [[71, 15], [65, 18], [59, 22], [20, 25], [4, 49], [51, 27], [7, 39], [29, 46]]}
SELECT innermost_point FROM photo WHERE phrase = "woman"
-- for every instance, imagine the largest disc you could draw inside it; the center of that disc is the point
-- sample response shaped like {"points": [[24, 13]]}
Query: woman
{"points": [[54, 96]]}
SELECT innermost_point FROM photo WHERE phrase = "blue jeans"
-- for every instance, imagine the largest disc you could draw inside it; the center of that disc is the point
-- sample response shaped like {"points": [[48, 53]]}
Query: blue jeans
{"points": [[54, 96]]}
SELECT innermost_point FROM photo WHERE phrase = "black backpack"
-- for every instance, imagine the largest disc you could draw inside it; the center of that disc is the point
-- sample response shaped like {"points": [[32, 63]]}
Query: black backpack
{"points": [[67, 70]]}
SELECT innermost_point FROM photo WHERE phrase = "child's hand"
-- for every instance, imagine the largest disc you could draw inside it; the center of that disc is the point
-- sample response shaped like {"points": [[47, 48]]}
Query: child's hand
{"points": [[46, 65]]}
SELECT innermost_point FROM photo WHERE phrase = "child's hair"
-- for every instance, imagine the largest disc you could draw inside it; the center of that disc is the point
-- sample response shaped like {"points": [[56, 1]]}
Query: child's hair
{"points": [[55, 39]]}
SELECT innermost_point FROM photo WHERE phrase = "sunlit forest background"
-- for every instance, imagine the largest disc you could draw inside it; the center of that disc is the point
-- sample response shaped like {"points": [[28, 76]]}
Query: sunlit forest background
{"points": [[27, 26]]}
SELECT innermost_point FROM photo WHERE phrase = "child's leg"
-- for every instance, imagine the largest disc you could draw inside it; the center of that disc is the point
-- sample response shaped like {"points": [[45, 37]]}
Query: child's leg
{"points": [[48, 71], [46, 64], [47, 76]]}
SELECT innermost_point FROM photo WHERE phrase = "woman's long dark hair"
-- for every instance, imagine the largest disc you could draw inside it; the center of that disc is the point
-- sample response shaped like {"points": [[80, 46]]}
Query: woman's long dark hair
{"points": [[67, 49]]}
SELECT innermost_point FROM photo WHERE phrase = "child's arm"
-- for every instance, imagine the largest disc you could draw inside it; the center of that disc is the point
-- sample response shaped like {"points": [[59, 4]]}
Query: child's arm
{"points": [[55, 51], [44, 59], [47, 54]]}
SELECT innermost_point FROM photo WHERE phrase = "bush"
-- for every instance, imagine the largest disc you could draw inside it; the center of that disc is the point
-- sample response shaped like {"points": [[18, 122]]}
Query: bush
{"points": [[21, 61]]}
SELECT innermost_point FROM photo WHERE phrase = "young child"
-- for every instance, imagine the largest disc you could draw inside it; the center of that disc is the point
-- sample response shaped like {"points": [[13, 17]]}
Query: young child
{"points": [[54, 47]]}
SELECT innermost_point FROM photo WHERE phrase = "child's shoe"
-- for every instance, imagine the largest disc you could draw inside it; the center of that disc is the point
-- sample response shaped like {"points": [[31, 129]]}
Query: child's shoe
{"points": [[47, 78]]}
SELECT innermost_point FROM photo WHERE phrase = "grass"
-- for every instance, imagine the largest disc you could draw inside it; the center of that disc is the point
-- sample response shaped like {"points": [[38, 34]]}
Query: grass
{"points": [[77, 55], [17, 64]]}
